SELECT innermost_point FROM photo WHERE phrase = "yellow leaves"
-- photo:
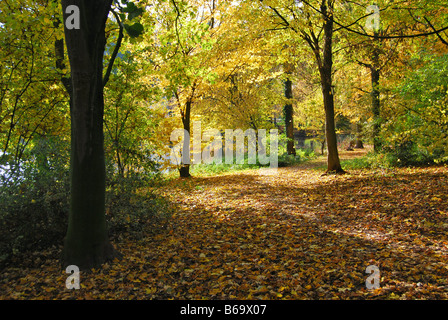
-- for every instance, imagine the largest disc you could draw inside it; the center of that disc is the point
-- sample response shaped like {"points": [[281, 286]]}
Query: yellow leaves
{"points": [[217, 272], [215, 291], [47, 21], [261, 289], [292, 252], [150, 291], [283, 289], [49, 289], [394, 296]]}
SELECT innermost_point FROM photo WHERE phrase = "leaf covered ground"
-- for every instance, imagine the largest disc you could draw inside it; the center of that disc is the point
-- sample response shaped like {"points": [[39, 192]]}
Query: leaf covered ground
{"points": [[291, 235]]}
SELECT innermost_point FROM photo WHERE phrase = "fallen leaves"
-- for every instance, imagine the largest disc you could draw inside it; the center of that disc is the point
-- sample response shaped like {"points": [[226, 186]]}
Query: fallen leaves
{"points": [[296, 235]]}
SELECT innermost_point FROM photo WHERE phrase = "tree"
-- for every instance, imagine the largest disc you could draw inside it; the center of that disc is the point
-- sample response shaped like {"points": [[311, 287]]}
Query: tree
{"points": [[183, 45], [417, 128], [247, 88], [32, 104], [288, 112], [376, 40], [316, 27], [87, 244]]}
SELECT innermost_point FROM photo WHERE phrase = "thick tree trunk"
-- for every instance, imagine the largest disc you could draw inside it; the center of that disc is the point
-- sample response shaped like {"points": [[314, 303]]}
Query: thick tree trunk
{"points": [[325, 70], [289, 113], [86, 243]]}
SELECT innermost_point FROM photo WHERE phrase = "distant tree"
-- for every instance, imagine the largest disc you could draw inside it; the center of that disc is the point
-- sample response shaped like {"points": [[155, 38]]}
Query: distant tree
{"points": [[288, 113], [315, 26]]}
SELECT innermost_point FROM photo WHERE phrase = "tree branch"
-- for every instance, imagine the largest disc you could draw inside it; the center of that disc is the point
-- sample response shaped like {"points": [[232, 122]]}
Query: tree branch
{"points": [[116, 49], [179, 43], [341, 26], [285, 22], [437, 32]]}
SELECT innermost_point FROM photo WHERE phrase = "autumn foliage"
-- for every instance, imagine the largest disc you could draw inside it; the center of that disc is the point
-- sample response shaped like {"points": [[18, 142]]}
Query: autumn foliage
{"points": [[87, 116], [295, 235]]}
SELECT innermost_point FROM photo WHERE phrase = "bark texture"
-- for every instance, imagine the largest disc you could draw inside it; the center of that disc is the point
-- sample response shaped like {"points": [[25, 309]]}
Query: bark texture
{"points": [[87, 243]]}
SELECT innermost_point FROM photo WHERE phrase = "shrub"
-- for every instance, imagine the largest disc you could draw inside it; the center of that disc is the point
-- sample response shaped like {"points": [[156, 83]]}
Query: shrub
{"points": [[133, 209], [35, 202], [302, 155], [407, 153]]}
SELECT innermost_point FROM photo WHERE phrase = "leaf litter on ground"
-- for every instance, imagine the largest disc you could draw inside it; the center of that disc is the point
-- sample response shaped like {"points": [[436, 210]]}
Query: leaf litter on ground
{"points": [[291, 235]]}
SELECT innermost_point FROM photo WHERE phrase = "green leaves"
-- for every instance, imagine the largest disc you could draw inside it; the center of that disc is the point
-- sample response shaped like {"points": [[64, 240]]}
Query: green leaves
{"points": [[424, 121], [132, 10], [134, 30]]}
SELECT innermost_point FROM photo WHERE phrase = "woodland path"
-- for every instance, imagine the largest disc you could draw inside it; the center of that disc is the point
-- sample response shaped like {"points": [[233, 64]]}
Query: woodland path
{"points": [[291, 235]]}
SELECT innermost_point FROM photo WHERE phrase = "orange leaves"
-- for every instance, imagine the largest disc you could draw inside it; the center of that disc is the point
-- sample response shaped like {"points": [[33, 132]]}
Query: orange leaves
{"points": [[309, 238]]}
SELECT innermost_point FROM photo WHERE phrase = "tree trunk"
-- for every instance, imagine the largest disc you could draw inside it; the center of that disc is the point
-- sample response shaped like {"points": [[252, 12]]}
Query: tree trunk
{"points": [[184, 170], [325, 70], [289, 113], [358, 142], [375, 95], [86, 243]]}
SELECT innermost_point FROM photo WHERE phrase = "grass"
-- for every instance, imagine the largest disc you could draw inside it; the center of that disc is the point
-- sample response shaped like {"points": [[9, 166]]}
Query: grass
{"points": [[205, 170], [356, 163], [213, 168]]}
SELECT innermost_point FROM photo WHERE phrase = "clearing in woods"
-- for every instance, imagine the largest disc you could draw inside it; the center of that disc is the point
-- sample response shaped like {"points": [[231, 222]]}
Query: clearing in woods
{"points": [[292, 235]]}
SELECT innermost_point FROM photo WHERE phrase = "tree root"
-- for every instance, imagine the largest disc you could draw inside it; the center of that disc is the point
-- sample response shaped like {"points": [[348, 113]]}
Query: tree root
{"points": [[334, 172]]}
